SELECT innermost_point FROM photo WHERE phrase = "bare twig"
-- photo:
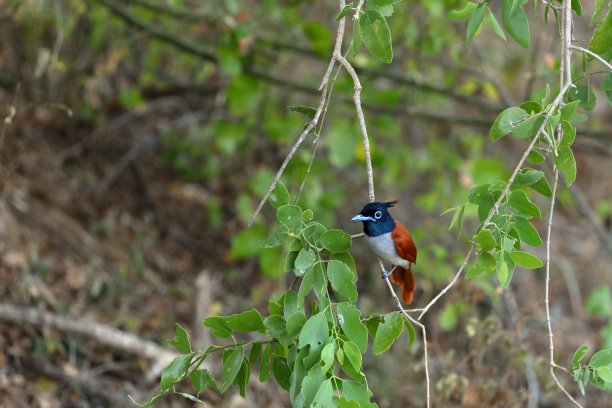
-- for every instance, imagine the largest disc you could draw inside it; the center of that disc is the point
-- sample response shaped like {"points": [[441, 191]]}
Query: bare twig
{"points": [[100, 332], [315, 120], [565, 79], [551, 344], [416, 322], [364, 132], [592, 54]]}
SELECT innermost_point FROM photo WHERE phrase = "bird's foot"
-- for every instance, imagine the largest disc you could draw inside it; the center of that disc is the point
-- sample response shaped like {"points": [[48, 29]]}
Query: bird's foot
{"points": [[386, 274]]}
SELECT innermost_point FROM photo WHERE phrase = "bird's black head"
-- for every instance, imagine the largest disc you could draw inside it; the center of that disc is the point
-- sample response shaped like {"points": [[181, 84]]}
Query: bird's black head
{"points": [[376, 218]]}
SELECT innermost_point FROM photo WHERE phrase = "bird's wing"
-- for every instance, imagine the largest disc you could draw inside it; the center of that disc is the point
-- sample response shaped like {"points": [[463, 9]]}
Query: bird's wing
{"points": [[404, 245]]}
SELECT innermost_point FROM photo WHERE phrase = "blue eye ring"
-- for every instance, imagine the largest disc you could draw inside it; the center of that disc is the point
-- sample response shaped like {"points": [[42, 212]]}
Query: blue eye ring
{"points": [[377, 215]]}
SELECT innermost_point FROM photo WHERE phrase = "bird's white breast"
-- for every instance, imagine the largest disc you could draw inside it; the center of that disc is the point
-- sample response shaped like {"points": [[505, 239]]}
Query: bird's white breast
{"points": [[384, 247]]}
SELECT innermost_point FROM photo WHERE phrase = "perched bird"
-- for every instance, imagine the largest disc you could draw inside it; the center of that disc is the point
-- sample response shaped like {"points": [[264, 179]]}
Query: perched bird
{"points": [[392, 242]]}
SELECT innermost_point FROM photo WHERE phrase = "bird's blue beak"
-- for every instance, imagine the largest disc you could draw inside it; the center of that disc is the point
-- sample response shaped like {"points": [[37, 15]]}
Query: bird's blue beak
{"points": [[360, 217]]}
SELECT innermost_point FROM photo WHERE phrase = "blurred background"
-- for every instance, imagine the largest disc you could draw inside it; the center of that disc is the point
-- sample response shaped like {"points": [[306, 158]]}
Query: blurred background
{"points": [[138, 136]]}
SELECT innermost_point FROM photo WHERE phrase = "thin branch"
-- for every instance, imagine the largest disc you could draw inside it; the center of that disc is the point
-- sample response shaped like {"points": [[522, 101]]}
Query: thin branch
{"points": [[551, 344], [364, 132], [592, 54], [495, 207], [315, 120], [416, 322], [450, 284]]}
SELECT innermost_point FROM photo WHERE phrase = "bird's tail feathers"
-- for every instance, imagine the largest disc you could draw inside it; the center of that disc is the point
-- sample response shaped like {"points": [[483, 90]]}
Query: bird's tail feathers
{"points": [[404, 278]]}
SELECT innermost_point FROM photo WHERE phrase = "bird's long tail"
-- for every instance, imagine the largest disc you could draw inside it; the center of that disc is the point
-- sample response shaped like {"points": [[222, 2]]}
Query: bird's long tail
{"points": [[405, 280]]}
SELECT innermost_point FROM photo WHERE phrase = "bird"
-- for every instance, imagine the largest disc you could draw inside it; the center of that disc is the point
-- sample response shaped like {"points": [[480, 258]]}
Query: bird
{"points": [[392, 242]]}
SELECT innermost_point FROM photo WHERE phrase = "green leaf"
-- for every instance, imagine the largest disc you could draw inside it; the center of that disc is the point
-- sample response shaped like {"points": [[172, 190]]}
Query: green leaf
{"points": [[290, 216], [324, 396], [526, 260], [527, 177], [566, 163], [242, 379], [275, 240], [218, 326], [175, 371], [531, 107], [567, 110], [384, 6], [349, 318], [345, 12], [281, 372], [475, 21], [314, 278], [352, 352], [387, 332], [249, 321], [264, 364], [526, 231], [411, 331], [521, 204], [465, 12], [577, 7], [327, 357], [601, 42], [345, 258], [181, 343], [516, 23], [313, 231], [310, 385], [201, 379], [309, 111], [528, 127], [496, 27], [503, 272], [535, 157], [274, 325], [279, 196], [290, 303], [605, 373], [485, 263], [599, 4], [255, 353], [584, 94], [599, 302], [342, 281], [485, 241], [315, 332], [232, 361], [569, 133], [335, 240], [295, 322], [376, 35], [355, 391], [505, 121], [305, 259], [543, 187], [602, 358], [579, 355]]}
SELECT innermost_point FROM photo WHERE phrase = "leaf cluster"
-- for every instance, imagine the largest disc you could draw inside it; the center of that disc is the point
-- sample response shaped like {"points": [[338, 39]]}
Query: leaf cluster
{"points": [[313, 339]]}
